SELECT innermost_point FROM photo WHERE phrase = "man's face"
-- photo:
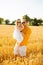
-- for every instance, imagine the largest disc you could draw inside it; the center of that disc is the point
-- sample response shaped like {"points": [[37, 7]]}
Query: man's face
{"points": [[24, 22]]}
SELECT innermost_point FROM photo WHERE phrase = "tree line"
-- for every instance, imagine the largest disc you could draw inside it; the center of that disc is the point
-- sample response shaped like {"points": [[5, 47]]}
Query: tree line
{"points": [[31, 22]]}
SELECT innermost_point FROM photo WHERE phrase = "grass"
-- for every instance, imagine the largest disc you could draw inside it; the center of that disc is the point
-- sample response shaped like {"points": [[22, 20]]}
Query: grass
{"points": [[34, 47]]}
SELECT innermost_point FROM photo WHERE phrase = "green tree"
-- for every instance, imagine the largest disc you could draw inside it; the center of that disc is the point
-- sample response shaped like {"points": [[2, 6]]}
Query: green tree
{"points": [[7, 21], [1, 20], [35, 22], [39, 21], [26, 17]]}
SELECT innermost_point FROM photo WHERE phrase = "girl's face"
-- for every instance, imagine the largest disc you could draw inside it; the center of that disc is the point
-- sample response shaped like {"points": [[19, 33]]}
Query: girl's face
{"points": [[19, 23]]}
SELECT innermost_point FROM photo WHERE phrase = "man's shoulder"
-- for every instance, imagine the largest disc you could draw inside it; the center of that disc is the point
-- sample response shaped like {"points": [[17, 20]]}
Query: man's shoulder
{"points": [[28, 29]]}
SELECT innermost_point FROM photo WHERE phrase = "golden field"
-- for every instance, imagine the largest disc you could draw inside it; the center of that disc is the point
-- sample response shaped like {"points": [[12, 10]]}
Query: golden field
{"points": [[34, 47]]}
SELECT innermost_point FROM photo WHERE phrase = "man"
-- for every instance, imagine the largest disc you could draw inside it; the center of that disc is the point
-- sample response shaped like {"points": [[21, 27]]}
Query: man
{"points": [[26, 34]]}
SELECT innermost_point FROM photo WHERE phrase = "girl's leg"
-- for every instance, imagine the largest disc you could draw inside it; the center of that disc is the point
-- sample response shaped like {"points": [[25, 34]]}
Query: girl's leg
{"points": [[22, 51], [16, 49]]}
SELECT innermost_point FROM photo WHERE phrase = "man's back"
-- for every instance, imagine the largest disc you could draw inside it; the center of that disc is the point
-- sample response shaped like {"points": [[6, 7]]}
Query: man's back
{"points": [[27, 32]]}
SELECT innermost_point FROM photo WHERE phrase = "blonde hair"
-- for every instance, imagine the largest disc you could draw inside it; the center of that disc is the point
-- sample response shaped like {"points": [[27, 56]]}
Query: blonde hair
{"points": [[17, 21]]}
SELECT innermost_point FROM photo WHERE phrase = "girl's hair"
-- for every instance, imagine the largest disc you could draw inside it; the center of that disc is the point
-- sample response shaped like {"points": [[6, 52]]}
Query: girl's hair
{"points": [[18, 21]]}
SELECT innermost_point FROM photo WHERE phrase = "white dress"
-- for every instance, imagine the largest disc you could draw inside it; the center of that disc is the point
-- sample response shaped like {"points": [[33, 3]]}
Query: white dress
{"points": [[19, 37]]}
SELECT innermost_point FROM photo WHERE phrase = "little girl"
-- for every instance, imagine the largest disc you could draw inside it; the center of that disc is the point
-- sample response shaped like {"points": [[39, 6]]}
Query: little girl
{"points": [[18, 36]]}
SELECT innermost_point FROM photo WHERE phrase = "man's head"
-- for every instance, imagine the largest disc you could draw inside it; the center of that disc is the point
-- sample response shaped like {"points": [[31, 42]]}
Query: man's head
{"points": [[24, 22]]}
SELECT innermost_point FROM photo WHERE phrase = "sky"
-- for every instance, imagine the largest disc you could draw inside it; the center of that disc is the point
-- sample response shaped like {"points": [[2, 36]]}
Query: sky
{"points": [[14, 9]]}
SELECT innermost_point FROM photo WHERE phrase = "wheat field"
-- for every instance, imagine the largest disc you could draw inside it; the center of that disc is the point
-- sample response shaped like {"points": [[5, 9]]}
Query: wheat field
{"points": [[34, 47]]}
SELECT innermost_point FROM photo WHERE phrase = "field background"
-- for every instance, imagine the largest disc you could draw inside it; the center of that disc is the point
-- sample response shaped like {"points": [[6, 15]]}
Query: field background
{"points": [[34, 47]]}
